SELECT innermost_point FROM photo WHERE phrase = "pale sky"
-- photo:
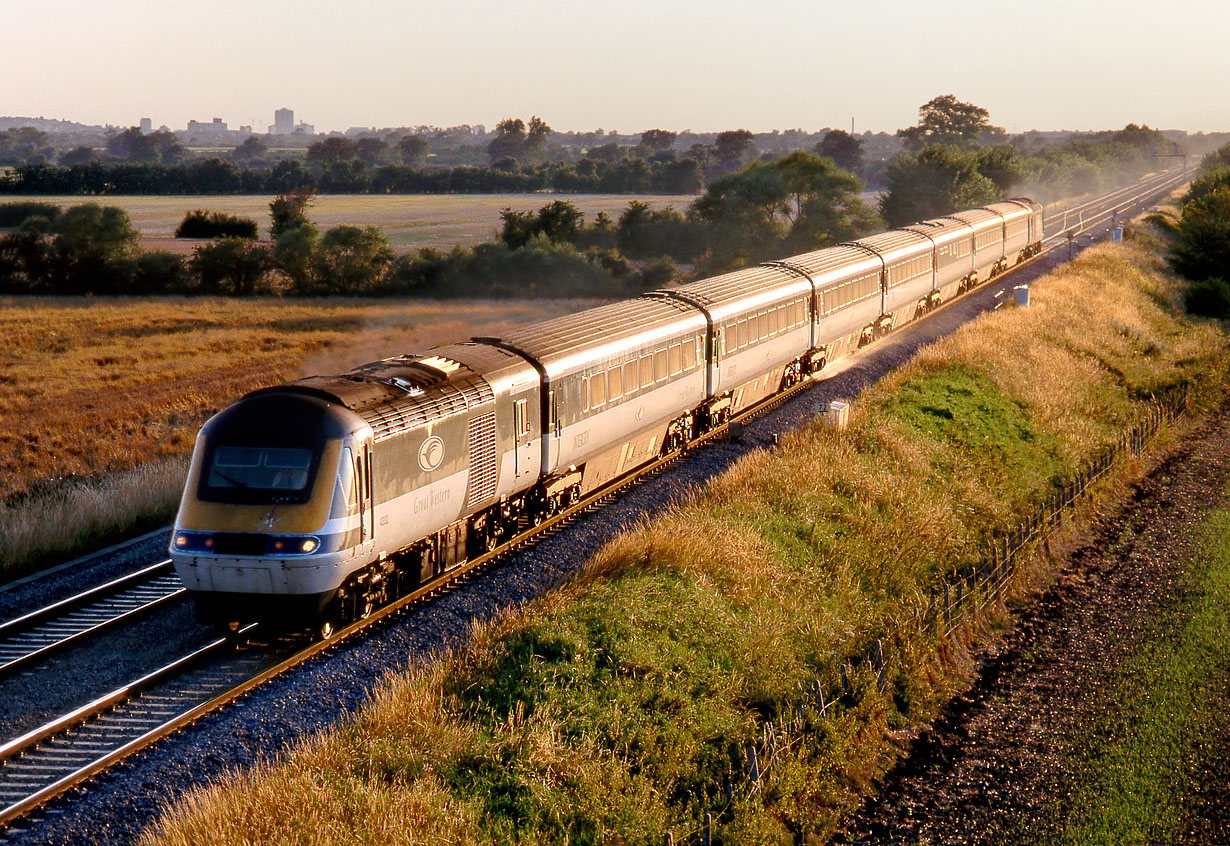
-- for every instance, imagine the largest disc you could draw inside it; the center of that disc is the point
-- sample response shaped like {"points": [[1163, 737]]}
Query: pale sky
{"points": [[629, 65]]}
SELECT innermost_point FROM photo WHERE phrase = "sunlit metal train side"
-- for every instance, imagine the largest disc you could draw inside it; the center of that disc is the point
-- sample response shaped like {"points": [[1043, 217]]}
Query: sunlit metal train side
{"points": [[317, 500]]}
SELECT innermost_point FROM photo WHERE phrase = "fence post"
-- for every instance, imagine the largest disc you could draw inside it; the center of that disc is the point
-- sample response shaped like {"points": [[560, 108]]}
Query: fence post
{"points": [[706, 830], [820, 704], [947, 613], [753, 766], [668, 839]]}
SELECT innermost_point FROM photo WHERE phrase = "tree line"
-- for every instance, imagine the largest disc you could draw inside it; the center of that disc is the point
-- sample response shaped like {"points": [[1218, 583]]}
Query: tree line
{"points": [[766, 210]]}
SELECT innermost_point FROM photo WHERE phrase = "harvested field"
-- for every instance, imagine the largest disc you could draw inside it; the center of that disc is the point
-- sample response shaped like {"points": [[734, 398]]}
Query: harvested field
{"points": [[97, 387], [408, 221]]}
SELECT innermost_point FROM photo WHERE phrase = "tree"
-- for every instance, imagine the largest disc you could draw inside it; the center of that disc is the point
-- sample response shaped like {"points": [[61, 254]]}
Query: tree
{"points": [[947, 120], [27, 259], [288, 211], [1001, 165], [938, 181], [413, 150], [371, 150], [1202, 248], [559, 221], [290, 176], [732, 147], [509, 141], [536, 139], [94, 249], [332, 151], [350, 260], [824, 206], [658, 140], [236, 267], [251, 149], [843, 148], [78, 155], [1142, 138], [292, 257]]}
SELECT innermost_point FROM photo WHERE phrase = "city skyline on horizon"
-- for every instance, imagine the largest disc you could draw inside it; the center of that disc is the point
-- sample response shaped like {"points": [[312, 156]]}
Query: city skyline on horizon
{"points": [[671, 64]]}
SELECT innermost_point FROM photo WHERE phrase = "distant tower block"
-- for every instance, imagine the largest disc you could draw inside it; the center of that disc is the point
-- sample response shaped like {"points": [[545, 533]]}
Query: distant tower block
{"points": [[284, 122], [147, 126]]}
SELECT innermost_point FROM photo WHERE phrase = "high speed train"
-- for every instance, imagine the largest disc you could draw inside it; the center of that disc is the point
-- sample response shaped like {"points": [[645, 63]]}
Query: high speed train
{"points": [[315, 501]]}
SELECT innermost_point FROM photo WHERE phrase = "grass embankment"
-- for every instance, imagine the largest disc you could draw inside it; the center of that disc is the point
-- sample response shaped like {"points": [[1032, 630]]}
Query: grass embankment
{"points": [[102, 399], [1146, 756], [620, 706]]}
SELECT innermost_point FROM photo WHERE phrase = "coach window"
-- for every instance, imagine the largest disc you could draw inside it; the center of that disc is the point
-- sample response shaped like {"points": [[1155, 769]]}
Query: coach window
{"points": [[615, 383], [630, 376], [646, 371], [689, 354], [741, 335], [763, 322], [676, 360], [659, 365], [597, 390]]}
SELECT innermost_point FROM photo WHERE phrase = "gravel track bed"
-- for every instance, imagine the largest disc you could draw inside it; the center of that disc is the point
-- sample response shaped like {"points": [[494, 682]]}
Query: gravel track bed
{"points": [[999, 765], [117, 805]]}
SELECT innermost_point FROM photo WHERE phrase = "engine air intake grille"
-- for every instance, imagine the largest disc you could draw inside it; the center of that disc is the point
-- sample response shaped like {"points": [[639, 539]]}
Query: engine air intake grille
{"points": [[484, 470]]}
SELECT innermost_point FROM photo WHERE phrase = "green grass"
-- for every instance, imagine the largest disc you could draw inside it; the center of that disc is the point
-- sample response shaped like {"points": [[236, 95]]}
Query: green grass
{"points": [[1166, 709]]}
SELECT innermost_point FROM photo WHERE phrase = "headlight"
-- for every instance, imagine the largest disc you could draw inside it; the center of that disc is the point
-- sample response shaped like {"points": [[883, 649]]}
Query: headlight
{"points": [[193, 542], [293, 546]]}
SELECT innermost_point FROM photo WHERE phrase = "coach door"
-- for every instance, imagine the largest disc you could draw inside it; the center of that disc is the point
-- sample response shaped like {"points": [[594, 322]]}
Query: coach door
{"points": [[363, 478]]}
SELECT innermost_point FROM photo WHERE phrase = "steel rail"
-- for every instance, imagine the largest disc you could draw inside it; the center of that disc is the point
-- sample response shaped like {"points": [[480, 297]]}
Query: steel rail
{"points": [[70, 621], [121, 745]]}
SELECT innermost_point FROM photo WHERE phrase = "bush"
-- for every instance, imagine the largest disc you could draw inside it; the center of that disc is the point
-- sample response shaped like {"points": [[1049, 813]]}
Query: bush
{"points": [[1209, 298], [203, 224], [13, 214], [159, 272], [1202, 249]]}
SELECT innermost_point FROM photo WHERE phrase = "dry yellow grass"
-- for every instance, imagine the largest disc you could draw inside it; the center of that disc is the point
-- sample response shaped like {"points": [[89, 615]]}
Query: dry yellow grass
{"points": [[93, 387], [609, 703]]}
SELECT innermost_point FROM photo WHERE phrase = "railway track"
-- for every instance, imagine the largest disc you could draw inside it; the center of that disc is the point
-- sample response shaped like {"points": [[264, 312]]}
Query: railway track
{"points": [[37, 636], [51, 759]]}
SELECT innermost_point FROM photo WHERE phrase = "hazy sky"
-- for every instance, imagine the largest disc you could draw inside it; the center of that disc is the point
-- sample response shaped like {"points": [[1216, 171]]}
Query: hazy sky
{"points": [[630, 65]]}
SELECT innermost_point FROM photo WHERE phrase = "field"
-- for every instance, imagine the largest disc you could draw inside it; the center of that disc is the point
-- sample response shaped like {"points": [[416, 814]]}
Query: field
{"points": [[408, 221], [94, 388]]}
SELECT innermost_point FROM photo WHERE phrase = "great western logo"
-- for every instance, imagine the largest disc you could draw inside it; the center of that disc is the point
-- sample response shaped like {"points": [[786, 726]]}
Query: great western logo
{"points": [[431, 453]]}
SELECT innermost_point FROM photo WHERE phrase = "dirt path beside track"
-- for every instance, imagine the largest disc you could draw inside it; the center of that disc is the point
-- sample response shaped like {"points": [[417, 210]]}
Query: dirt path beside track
{"points": [[1000, 765]]}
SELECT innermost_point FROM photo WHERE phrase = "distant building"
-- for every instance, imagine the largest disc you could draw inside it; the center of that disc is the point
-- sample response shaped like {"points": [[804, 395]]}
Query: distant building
{"points": [[283, 122], [304, 129], [215, 125], [147, 126]]}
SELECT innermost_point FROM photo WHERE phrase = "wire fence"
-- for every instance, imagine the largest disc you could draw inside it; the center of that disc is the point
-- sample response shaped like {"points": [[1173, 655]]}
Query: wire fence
{"points": [[963, 599]]}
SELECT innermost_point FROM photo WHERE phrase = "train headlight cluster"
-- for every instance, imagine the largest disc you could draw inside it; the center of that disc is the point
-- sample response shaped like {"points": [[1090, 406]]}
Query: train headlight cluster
{"points": [[294, 546], [194, 541]]}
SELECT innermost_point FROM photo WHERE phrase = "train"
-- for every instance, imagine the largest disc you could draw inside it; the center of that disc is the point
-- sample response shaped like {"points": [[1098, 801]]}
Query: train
{"points": [[316, 501]]}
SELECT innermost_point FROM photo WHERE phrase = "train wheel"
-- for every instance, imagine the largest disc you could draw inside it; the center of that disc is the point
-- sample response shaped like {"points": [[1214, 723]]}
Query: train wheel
{"points": [[324, 628]]}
